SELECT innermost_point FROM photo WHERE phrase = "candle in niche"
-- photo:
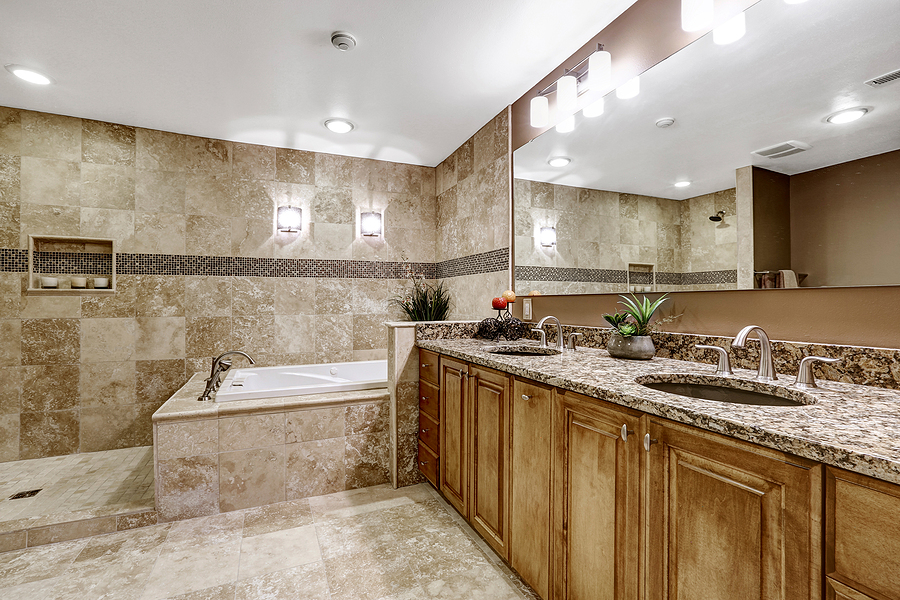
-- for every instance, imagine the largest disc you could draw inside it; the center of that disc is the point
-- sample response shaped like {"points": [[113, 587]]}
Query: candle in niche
{"points": [[101, 282], [79, 283]]}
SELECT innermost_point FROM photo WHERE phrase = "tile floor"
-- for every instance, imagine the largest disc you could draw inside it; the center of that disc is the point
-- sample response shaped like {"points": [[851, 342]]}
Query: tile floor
{"points": [[370, 544], [113, 480]]}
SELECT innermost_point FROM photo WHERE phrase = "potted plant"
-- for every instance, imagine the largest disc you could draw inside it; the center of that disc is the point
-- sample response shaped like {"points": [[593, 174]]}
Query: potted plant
{"points": [[630, 337], [426, 302]]}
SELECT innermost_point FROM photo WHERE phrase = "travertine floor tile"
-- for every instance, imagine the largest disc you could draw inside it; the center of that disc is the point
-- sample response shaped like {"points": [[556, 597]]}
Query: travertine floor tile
{"points": [[193, 569], [306, 582], [275, 517], [278, 550]]}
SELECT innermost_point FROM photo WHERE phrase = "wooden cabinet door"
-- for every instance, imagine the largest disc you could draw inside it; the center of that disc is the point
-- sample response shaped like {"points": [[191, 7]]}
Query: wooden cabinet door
{"points": [[454, 453], [489, 456], [730, 521], [529, 493], [596, 500]]}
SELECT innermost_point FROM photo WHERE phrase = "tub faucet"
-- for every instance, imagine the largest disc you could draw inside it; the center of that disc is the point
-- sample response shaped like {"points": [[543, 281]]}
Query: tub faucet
{"points": [[559, 333], [219, 366], [766, 370]]}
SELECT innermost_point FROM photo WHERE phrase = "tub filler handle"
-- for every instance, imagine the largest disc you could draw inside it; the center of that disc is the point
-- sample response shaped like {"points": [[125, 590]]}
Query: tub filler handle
{"points": [[220, 366]]}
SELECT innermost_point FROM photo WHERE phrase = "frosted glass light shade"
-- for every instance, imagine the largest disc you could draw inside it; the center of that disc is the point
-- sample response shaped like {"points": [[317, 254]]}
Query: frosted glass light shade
{"points": [[629, 89], [566, 95], [290, 219], [696, 14], [540, 112], [599, 70], [370, 223], [730, 31], [566, 125], [548, 237], [594, 109]]}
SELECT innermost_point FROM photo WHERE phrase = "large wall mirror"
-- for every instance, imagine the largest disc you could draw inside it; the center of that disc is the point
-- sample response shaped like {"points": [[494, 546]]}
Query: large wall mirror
{"points": [[750, 186]]}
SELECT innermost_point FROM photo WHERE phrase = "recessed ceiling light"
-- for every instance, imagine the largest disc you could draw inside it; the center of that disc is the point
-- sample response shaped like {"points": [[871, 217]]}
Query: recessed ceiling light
{"points": [[682, 183], [847, 116], [29, 75], [559, 161], [339, 125]]}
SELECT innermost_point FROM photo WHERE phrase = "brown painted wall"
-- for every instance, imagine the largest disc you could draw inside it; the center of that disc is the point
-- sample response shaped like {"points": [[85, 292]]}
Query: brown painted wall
{"points": [[857, 316], [844, 222], [771, 220]]}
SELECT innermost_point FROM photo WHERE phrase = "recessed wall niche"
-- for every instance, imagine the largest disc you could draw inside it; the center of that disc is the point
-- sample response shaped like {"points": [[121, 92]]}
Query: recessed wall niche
{"points": [[71, 266]]}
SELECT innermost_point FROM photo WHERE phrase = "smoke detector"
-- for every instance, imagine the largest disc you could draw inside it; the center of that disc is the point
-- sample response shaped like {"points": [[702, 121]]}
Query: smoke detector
{"points": [[665, 122], [783, 149], [343, 41]]}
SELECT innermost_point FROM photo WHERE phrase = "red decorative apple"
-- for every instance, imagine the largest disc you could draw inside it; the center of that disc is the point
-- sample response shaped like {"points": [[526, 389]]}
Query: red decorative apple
{"points": [[499, 303]]}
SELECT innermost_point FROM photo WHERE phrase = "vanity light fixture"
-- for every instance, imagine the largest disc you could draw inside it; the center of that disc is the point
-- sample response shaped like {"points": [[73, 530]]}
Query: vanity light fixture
{"points": [[540, 111], [370, 224], [594, 109], [599, 70], [290, 219], [730, 31], [592, 73], [696, 14], [566, 125], [339, 125], [629, 89], [847, 116], [548, 237], [559, 161], [682, 184], [566, 95], [29, 75]]}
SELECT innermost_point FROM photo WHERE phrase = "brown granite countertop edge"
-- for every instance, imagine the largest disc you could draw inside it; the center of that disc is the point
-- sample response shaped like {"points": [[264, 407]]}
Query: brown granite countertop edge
{"points": [[654, 403]]}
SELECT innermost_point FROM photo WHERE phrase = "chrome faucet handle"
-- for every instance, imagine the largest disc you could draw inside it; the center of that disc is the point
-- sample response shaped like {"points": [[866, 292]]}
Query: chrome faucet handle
{"points": [[806, 379], [723, 369], [571, 341], [543, 337]]}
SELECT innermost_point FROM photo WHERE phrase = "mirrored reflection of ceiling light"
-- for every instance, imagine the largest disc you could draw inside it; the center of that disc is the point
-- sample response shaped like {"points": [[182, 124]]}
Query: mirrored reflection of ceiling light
{"points": [[548, 237], [682, 184], [847, 116], [566, 125], [594, 109], [566, 95], [629, 89], [730, 31], [339, 125], [599, 70], [559, 161], [370, 223], [290, 219], [696, 14], [540, 112], [29, 75]]}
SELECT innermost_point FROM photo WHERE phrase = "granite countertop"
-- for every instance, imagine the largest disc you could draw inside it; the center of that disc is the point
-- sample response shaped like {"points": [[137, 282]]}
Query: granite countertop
{"points": [[849, 426]]}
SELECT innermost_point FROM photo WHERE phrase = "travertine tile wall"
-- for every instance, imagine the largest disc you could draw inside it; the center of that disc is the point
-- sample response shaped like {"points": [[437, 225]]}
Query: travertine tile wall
{"points": [[86, 373], [598, 229], [473, 213]]}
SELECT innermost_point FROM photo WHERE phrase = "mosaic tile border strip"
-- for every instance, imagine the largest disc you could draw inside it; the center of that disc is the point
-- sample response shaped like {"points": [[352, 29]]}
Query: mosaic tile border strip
{"points": [[531, 273], [16, 261]]}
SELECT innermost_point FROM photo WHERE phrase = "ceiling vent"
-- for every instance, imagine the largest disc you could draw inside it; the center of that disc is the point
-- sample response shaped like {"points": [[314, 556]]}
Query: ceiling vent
{"points": [[783, 149], [884, 79]]}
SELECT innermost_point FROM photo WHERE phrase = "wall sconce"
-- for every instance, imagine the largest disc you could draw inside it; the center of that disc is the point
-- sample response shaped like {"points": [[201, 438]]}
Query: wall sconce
{"points": [[548, 237], [290, 219], [370, 223]]}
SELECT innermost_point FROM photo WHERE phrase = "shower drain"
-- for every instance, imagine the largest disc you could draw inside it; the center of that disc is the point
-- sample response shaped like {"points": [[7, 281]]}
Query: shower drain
{"points": [[28, 494]]}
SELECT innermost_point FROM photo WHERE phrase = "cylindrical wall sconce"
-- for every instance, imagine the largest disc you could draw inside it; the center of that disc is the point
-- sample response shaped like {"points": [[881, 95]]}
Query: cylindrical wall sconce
{"points": [[370, 224], [290, 219], [548, 237]]}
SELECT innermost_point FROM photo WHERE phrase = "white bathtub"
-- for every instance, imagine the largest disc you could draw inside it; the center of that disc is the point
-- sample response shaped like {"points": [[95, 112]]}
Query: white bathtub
{"points": [[274, 382]]}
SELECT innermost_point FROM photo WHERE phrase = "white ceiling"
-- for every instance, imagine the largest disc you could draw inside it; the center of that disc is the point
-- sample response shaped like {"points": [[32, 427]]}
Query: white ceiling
{"points": [[424, 77], [797, 64]]}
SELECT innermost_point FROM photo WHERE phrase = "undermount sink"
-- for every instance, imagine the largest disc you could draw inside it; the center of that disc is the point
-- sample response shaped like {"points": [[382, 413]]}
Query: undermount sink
{"points": [[719, 389], [521, 349]]}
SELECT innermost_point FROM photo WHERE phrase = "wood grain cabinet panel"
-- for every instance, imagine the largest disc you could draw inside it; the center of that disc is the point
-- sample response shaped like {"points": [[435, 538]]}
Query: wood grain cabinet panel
{"points": [[728, 520], [429, 432], [428, 367], [454, 442], [596, 500], [862, 536], [489, 456], [529, 495], [429, 464], [429, 400]]}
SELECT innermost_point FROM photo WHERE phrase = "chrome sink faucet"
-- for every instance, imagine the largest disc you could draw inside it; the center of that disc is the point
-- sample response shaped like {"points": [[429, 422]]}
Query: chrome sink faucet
{"points": [[766, 370], [219, 366], [559, 333]]}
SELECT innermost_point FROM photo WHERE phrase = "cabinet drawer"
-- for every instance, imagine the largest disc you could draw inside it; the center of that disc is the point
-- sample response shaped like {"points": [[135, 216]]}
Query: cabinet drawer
{"points": [[428, 366], [429, 432], [429, 400], [428, 464], [862, 535]]}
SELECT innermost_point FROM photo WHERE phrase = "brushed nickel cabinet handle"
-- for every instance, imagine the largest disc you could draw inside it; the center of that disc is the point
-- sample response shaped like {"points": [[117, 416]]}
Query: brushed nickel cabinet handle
{"points": [[626, 432], [426, 397], [425, 365], [426, 430], [423, 463], [524, 397], [648, 442]]}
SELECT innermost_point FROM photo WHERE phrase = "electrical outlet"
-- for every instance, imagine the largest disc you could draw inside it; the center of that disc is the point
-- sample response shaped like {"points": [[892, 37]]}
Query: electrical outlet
{"points": [[526, 309]]}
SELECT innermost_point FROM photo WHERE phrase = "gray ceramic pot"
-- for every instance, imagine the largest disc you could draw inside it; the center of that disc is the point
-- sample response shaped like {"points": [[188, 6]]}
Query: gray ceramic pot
{"points": [[636, 347]]}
